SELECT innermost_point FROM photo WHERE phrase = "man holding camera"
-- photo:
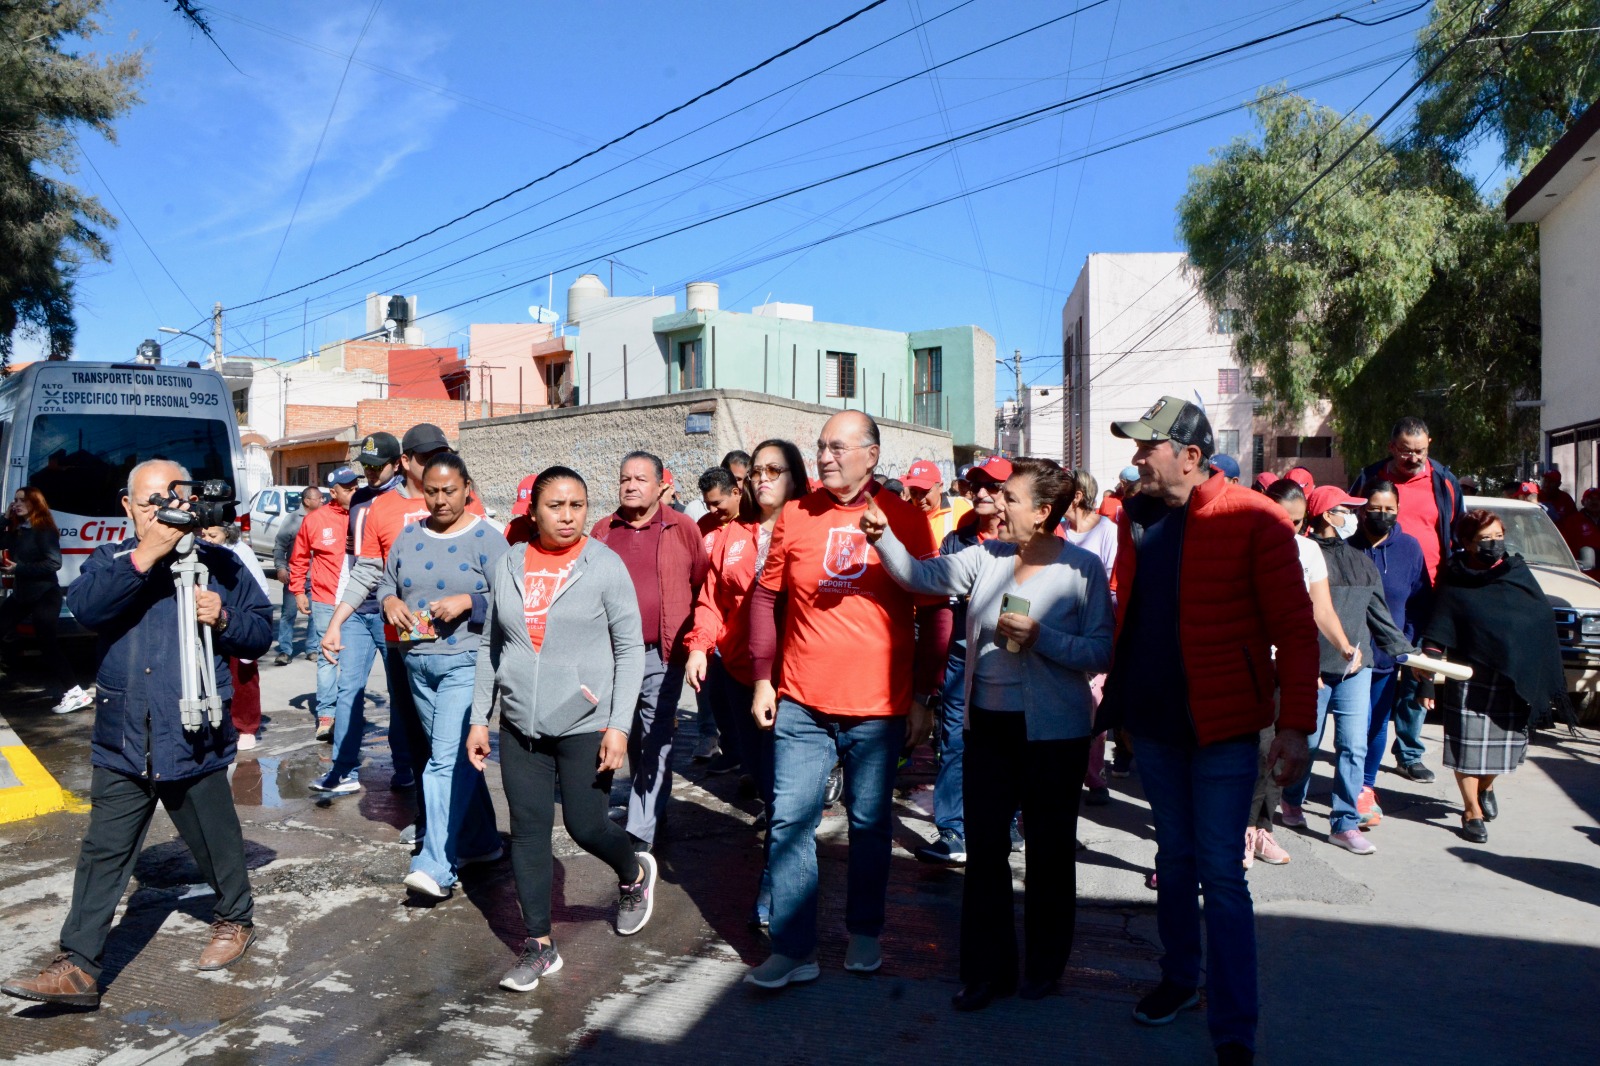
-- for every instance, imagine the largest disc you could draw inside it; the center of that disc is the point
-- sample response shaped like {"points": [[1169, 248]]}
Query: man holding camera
{"points": [[142, 752]]}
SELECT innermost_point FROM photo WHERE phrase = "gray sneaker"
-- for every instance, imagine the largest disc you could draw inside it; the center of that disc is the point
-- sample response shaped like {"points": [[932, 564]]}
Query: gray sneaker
{"points": [[538, 960], [781, 970], [637, 901], [863, 955]]}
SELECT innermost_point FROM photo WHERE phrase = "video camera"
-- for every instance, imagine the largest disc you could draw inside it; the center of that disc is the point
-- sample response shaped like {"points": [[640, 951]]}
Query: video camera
{"points": [[211, 505]]}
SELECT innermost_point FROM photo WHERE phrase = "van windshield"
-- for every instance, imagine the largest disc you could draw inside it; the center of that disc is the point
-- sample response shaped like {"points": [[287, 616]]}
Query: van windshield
{"points": [[81, 462], [1531, 534]]}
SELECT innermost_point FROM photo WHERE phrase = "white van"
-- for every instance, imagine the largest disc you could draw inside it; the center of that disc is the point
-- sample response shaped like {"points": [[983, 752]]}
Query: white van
{"points": [[73, 430]]}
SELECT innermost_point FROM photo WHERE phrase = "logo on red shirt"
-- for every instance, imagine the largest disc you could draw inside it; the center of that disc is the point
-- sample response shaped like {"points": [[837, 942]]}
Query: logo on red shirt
{"points": [[846, 554]]}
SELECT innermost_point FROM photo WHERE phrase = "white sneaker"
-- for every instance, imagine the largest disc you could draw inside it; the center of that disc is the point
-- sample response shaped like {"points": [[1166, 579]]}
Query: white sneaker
{"points": [[76, 699], [246, 741], [1353, 840], [423, 885]]}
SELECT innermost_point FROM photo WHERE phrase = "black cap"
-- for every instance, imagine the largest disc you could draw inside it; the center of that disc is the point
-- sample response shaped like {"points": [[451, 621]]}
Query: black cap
{"points": [[378, 449], [423, 437], [1170, 419]]}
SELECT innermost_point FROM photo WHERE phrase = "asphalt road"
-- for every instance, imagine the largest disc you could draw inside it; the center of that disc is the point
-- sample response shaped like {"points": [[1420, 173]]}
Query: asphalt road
{"points": [[1432, 950]]}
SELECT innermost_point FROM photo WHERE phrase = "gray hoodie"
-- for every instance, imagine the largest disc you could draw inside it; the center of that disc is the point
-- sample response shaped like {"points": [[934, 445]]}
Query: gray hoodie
{"points": [[592, 641]]}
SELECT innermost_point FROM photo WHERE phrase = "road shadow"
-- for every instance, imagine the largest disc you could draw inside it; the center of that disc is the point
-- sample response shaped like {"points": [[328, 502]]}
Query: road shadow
{"points": [[1575, 880]]}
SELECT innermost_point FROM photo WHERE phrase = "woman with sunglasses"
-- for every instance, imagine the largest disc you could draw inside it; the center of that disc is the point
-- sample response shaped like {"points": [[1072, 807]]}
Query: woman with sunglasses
{"points": [[722, 616]]}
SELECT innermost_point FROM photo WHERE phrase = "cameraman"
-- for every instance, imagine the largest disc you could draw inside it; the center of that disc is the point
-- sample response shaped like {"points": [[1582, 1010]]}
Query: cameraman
{"points": [[140, 752]]}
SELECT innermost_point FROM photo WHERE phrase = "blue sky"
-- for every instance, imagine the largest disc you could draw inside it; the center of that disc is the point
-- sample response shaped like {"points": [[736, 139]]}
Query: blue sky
{"points": [[447, 106]]}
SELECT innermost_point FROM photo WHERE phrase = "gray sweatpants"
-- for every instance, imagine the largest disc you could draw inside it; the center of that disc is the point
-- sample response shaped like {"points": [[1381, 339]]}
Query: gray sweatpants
{"points": [[650, 744]]}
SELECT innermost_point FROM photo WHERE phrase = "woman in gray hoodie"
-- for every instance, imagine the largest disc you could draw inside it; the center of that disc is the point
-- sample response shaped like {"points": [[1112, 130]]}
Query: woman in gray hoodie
{"points": [[563, 653]]}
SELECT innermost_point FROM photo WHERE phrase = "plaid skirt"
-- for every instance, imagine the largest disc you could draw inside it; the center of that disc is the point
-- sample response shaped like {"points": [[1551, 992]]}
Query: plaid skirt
{"points": [[1485, 725]]}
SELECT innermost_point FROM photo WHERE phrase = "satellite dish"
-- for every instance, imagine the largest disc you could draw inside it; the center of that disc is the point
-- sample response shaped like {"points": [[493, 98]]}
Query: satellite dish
{"points": [[543, 315], [390, 324]]}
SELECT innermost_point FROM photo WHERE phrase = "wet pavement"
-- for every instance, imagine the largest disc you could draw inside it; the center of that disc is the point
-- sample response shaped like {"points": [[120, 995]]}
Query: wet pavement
{"points": [[348, 969]]}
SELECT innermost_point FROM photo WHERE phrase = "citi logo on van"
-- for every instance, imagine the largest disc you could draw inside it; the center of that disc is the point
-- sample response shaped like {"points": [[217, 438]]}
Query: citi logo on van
{"points": [[95, 531]]}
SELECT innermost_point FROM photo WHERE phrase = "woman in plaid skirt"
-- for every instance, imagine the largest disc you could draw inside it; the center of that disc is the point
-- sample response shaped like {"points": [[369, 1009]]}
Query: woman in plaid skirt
{"points": [[1490, 614]]}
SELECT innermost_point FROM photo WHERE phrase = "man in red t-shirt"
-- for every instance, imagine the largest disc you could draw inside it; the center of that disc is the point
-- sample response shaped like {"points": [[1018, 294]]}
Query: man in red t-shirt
{"points": [[1429, 495], [843, 691], [1581, 528], [1556, 500]]}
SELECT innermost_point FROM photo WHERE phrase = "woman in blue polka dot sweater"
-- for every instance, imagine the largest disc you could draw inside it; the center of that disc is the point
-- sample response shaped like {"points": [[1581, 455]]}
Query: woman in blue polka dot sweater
{"points": [[434, 593]]}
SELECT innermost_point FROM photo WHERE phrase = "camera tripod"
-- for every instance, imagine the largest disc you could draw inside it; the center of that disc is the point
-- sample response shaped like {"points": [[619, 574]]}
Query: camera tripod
{"points": [[199, 702]]}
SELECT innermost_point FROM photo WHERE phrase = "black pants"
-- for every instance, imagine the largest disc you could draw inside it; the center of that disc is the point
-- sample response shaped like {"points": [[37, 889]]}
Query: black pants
{"points": [[202, 810], [529, 769], [39, 603], [1005, 770]]}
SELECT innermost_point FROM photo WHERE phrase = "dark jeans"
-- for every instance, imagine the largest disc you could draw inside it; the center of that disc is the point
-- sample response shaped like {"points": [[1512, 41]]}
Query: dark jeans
{"points": [[413, 752], [1394, 695], [39, 602], [1200, 802], [529, 769], [1005, 770], [202, 810], [755, 747], [949, 812]]}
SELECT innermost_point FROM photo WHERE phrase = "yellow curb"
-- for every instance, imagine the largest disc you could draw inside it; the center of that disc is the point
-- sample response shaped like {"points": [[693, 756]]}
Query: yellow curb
{"points": [[37, 794]]}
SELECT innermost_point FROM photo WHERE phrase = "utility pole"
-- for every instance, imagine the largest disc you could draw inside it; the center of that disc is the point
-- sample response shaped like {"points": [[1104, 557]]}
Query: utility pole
{"points": [[216, 335]]}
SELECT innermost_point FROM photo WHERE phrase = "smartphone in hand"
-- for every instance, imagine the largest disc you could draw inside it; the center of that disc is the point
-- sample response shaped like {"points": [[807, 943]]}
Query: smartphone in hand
{"points": [[1011, 603]]}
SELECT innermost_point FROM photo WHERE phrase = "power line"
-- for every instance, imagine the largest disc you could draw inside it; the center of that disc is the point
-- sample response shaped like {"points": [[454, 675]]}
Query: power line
{"points": [[586, 155]]}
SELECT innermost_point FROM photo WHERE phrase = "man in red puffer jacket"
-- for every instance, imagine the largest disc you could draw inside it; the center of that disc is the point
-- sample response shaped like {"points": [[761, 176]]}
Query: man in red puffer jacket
{"points": [[1209, 580]]}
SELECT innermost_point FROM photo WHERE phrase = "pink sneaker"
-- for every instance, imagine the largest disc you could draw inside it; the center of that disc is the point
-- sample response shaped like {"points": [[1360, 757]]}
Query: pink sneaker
{"points": [[1249, 846], [1353, 841], [1268, 850], [1291, 815]]}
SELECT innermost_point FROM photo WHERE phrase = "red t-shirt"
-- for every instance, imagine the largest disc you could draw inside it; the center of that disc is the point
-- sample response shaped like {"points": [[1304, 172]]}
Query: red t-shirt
{"points": [[390, 513], [1419, 512], [1581, 533], [524, 495], [1110, 507], [543, 574], [847, 637]]}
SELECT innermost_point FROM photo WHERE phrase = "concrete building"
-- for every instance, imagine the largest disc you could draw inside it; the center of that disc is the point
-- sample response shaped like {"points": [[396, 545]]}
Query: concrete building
{"points": [[1562, 195], [1033, 427], [1136, 328], [690, 431]]}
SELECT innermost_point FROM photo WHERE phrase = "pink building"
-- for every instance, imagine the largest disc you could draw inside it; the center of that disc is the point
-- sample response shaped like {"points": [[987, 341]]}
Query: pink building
{"points": [[521, 363]]}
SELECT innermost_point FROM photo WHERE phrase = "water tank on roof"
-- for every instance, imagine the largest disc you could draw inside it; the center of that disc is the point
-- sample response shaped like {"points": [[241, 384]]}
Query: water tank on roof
{"points": [[582, 295], [701, 296]]}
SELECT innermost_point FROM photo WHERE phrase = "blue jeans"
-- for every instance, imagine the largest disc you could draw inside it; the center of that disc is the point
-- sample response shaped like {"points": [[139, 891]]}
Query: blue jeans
{"points": [[806, 746], [1349, 701], [288, 611], [362, 635], [1200, 802], [1394, 695], [460, 813], [327, 670], [655, 722], [948, 786]]}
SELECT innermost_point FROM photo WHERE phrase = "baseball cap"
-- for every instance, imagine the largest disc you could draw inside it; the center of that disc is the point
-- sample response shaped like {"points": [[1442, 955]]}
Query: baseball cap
{"points": [[1553, 475], [1129, 473], [922, 475], [1591, 494], [524, 495], [996, 468], [424, 437], [1170, 418], [1302, 477], [378, 449], [1264, 480], [1526, 487], [666, 476], [1325, 498], [345, 475], [1226, 465]]}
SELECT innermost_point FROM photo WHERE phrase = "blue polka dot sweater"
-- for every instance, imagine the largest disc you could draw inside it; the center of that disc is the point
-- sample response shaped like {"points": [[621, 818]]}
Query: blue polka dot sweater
{"points": [[425, 566]]}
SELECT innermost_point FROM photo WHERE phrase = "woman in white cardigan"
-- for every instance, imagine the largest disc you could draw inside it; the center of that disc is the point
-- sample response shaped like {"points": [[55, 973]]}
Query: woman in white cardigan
{"points": [[1029, 718]]}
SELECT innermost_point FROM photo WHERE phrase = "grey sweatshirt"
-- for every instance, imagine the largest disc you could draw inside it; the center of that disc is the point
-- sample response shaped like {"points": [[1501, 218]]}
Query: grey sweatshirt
{"points": [[425, 566], [591, 640], [1069, 599]]}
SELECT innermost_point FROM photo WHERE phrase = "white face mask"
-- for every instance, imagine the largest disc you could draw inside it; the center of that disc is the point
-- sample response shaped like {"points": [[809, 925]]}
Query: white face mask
{"points": [[1344, 525]]}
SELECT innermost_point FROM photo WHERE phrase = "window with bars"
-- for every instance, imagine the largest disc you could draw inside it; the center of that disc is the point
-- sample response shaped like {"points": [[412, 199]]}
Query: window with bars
{"points": [[1228, 442], [1228, 381], [928, 370], [840, 372], [1305, 447]]}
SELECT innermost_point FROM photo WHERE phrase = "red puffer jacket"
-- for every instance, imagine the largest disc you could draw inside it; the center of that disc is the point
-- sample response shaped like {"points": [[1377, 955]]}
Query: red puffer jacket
{"points": [[1240, 592]]}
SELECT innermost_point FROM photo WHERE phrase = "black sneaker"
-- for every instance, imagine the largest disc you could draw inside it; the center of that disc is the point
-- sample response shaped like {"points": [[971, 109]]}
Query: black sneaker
{"points": [[1165, 1003], [538, 960], [948, 850], [1418, 773], [636, 902], [1097, 797], [281, 660], [722, 763], [1234, 1053]]}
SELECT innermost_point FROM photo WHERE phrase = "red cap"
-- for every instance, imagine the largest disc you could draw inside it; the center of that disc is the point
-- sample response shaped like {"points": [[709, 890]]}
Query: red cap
{"points": [[524, 495], [666, 476], [1527, 488], [996, 468], [1302, 477], [1553, 475], [1325, 498], [922, 475], [1591, 494], [1265, 480]]}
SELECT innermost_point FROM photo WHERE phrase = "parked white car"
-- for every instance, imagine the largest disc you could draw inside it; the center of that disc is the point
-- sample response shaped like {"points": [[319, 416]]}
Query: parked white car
{"points": [[268, 510], [1575, 596]]}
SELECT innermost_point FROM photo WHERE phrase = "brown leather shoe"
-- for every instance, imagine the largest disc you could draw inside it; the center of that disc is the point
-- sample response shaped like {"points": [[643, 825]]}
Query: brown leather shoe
{"points": [[228, 941], [61, 982]]}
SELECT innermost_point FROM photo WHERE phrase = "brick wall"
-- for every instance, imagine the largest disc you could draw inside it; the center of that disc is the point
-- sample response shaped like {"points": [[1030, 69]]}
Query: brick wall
{"points": [[367, 355], [398, 415], [307, 418]]}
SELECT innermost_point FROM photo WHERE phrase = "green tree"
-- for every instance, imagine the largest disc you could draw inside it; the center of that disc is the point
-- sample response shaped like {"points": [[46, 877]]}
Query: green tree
{"points": [[1392, 289], [49, 228]]}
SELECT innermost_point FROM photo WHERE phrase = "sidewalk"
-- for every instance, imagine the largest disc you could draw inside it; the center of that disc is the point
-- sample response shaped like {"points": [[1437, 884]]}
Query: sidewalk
{"points": [[1362, 958]]}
